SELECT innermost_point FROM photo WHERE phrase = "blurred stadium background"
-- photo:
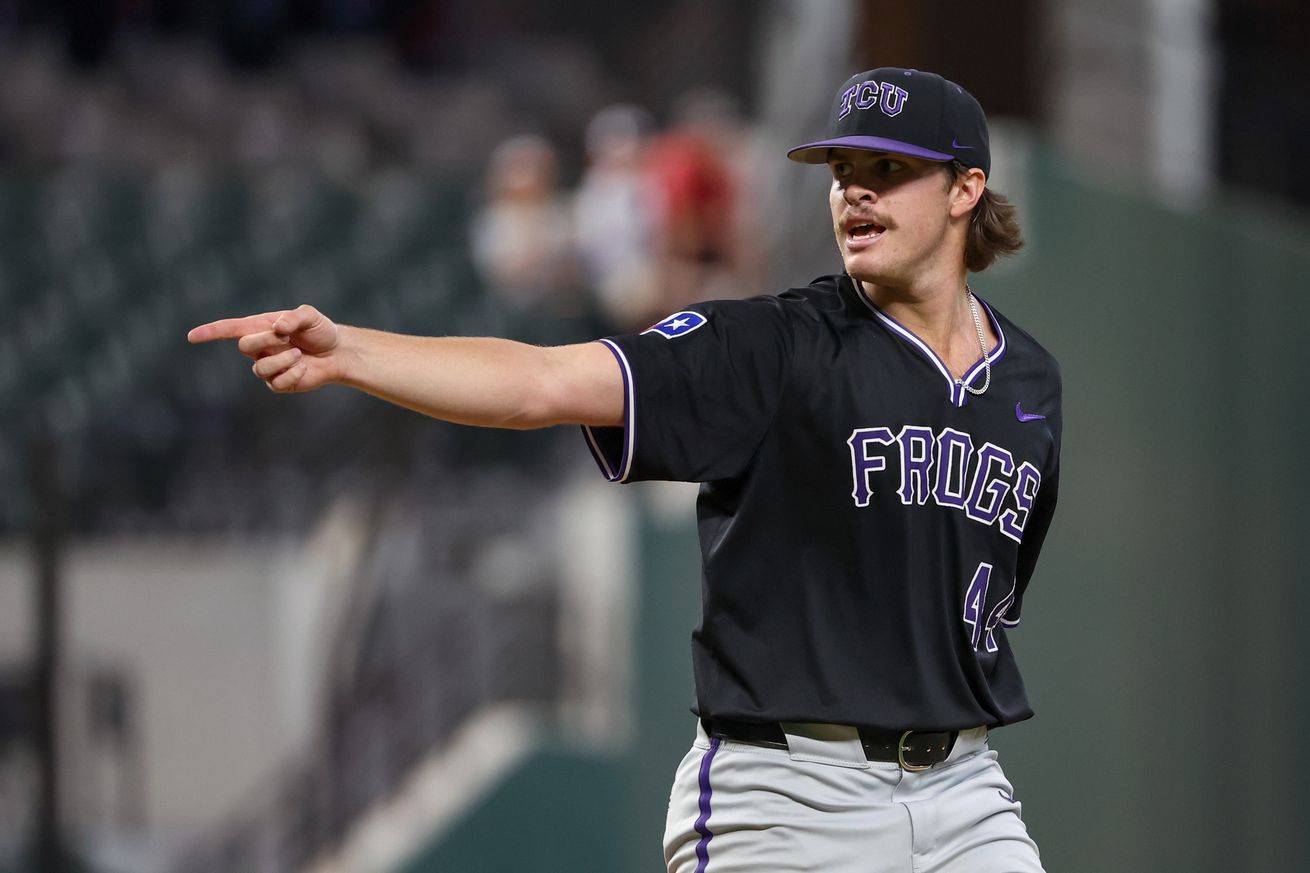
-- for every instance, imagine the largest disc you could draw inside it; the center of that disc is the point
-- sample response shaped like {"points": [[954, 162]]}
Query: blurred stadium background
{"points": [[317, 634]]}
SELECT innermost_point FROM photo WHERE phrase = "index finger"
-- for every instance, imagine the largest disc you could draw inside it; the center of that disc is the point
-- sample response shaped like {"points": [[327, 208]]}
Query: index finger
{"points": [[233, 328]]}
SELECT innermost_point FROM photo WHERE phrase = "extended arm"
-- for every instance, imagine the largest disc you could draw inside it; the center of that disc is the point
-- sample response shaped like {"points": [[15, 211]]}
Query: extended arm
{"points": [[468, 380]]}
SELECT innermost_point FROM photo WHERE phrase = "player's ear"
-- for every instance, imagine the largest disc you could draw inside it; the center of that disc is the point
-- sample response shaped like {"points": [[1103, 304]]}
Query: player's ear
{"points": [[966, 191]]}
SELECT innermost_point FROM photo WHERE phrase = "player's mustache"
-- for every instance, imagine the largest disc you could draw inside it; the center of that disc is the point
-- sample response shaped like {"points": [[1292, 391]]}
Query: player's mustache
{"points": [[855, 216]]}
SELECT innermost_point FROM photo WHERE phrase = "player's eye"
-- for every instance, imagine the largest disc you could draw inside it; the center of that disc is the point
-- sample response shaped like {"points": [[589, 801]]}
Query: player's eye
{"points": [[842, 169], [887, 166]]}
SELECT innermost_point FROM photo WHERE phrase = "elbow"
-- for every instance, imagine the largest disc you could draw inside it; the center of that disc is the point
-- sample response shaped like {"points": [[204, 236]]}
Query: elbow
{"points": [[541, 404], [570, 385]]}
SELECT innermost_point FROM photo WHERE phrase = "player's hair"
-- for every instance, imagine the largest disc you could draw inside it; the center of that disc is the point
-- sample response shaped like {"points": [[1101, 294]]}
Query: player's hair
{"points": [[993, 227]]}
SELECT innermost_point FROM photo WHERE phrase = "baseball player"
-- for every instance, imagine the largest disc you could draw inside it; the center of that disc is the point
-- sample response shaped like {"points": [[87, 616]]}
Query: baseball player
{"points": [[879, 455]]}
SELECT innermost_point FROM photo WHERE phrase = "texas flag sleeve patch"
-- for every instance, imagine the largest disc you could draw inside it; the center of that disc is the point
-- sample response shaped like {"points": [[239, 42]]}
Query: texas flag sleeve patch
{"points": [[678, 324]]}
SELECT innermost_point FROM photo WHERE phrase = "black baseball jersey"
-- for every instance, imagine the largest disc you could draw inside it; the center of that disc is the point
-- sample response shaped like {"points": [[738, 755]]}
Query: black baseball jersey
{"points": [[868, 527]]}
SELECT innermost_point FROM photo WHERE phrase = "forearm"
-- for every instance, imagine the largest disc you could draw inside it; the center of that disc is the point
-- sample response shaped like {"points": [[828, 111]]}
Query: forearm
{"points": [[483, 381]]}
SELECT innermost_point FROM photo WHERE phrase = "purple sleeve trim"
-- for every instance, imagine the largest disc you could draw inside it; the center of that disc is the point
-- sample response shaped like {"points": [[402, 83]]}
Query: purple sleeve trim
{"points": [[702, 823], [616, 472]]}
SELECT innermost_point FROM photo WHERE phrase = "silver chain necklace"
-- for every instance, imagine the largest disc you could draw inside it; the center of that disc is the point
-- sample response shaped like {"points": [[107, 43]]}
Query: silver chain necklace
{"points": [[982, 341]]}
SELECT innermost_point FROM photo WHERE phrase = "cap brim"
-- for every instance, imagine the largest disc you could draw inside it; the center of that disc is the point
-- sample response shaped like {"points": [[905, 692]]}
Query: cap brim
{"points": [[817, 152]]}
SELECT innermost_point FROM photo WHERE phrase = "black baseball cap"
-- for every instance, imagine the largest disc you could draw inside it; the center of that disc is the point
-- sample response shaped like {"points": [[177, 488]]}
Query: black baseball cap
{"points": [[904, 112]]}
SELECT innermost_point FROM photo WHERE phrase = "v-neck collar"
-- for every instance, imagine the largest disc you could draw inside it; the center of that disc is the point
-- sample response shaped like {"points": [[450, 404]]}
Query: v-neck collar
{"points": [[956, 389]]}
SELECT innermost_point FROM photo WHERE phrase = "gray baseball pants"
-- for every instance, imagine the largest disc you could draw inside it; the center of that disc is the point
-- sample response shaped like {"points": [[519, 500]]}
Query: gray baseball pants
{"points": [[820, 805]]}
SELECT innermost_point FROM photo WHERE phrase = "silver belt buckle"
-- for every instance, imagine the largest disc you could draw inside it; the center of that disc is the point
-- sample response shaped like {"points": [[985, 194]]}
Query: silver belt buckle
{"points": [[901, 749]]}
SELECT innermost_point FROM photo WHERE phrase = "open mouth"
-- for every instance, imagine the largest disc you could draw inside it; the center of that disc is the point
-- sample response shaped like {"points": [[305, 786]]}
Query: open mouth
{"points": [[865, 231], [860, 233]]}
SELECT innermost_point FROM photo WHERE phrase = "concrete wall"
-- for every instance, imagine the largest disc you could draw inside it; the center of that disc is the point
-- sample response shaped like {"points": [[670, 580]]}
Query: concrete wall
{"points": [[196, 631]]}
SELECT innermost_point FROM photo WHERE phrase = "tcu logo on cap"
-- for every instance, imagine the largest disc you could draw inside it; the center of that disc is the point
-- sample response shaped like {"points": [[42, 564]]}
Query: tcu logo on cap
{"points": [[865, 95]]}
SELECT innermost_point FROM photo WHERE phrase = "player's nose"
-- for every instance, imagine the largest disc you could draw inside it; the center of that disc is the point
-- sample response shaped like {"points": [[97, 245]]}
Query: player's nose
{"points": [[854, 193]]}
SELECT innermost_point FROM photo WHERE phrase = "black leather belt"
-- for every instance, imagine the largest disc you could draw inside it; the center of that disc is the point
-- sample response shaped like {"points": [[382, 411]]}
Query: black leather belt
{"points": [[913, 750]]}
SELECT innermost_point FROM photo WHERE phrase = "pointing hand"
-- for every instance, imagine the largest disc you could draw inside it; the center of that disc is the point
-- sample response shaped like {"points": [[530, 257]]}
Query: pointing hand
{"points": [[294, 349]]}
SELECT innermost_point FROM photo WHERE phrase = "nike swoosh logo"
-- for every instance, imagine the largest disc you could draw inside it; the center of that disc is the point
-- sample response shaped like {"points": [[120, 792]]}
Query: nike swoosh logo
{"points": [[1026, 416], [956, 145], [1008, 797]]}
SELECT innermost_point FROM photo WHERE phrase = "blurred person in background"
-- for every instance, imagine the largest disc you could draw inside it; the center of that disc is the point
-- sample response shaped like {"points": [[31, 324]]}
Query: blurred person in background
{"points": [[716, 118], [692, 203], [522, 239], [703, 178], [612, 217]]}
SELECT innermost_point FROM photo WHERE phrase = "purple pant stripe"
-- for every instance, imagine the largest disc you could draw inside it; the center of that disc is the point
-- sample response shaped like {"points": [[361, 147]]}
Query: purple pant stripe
{"points": [[703, 847]]}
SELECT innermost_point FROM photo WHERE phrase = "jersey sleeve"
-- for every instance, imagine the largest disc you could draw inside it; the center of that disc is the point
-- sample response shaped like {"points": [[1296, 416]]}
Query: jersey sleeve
{"points": [[1043, 506], [701, 388]]}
